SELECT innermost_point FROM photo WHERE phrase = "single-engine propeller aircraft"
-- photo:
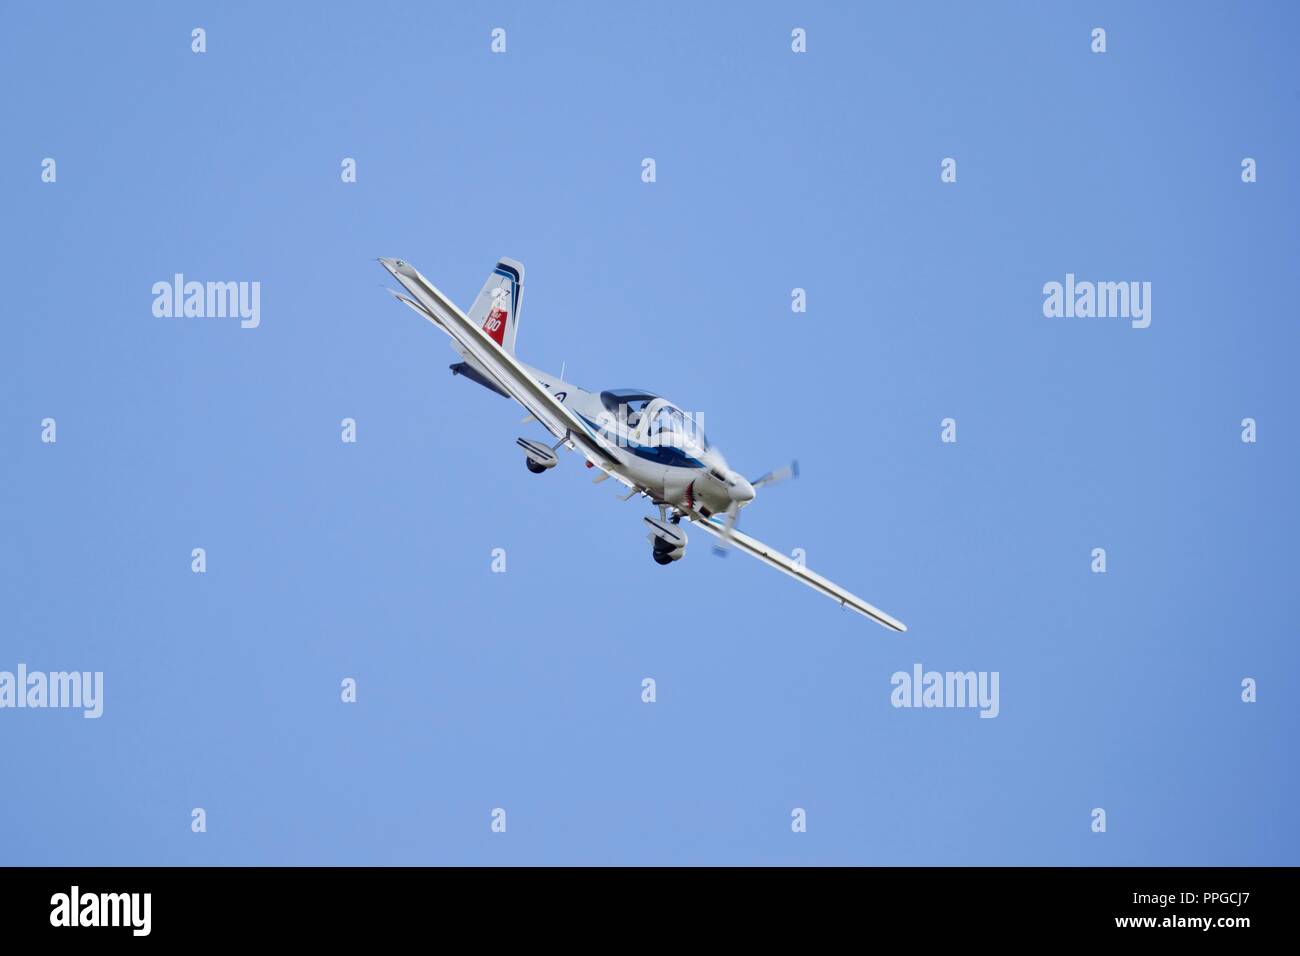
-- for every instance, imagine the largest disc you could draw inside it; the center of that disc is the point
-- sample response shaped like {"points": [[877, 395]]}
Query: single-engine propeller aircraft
{"points": [[639, 439]]}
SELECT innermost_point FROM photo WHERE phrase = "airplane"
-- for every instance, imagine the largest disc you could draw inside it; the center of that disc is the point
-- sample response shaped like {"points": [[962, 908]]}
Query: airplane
{"points": [[636, 437]]}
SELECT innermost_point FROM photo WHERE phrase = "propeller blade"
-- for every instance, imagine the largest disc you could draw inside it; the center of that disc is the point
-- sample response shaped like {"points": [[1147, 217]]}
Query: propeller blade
{"points": [[724, 540], [777, 475]]}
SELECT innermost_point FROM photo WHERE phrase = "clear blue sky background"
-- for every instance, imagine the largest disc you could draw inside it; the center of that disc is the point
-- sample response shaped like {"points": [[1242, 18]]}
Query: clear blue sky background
{"points": [[522, 690]]}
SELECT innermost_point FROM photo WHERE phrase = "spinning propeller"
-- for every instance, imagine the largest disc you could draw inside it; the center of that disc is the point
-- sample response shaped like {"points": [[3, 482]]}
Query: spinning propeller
{"points": [[742, 492]]}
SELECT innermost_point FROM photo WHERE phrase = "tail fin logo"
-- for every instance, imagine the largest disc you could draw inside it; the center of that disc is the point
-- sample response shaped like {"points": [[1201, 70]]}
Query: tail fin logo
{"points": [[495, 323]]}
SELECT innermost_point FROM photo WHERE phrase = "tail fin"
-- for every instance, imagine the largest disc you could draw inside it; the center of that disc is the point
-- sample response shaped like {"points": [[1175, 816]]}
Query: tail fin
{"points": [[496, 310]]}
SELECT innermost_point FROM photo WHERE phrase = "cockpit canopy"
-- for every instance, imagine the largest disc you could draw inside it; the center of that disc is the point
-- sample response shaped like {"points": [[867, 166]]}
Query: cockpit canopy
{"points": [[634, 398], [667, 425]]}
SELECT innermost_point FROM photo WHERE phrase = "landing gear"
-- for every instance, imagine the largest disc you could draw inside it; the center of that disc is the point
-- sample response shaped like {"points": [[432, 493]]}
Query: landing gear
{"points": [[667, 540], [537, 456], [666, 551]]}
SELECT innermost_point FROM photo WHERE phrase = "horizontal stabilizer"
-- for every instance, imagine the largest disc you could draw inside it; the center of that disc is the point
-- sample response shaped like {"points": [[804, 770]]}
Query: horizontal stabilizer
{"points": [[474, 375]]}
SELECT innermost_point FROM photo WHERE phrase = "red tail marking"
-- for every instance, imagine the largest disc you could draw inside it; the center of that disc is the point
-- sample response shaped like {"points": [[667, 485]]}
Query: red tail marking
{"points": [[495, 325]]}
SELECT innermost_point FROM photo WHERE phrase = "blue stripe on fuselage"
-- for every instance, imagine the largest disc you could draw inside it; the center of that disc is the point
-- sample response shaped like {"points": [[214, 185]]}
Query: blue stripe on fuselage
{"points": [[660, 455]]}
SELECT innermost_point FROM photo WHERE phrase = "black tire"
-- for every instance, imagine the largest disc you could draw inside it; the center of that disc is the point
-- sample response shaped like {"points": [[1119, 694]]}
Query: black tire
{"points": [[535, 468], [662, 558]]}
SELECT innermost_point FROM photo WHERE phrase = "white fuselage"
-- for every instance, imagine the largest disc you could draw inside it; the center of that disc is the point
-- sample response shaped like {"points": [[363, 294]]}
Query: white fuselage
{"points": [[657, 446]]}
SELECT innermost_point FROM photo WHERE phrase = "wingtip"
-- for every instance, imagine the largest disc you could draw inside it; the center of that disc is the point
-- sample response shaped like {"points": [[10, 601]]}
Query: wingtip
{"points": [[892, 623]]}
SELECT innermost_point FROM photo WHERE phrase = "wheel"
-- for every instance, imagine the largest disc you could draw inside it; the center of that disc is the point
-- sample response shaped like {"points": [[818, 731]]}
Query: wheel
{"points": [[535, 468], [662, 558]]}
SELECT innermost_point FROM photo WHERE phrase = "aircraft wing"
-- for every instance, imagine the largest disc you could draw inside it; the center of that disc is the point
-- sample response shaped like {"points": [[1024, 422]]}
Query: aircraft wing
{"points": [[814, 580], [500, 364]]}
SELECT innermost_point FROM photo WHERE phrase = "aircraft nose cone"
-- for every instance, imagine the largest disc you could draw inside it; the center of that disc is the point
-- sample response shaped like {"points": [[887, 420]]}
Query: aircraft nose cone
{"points": [[741, 490]]}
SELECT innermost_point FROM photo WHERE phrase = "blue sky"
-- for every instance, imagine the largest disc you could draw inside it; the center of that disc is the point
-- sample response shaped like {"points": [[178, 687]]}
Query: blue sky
{"points": [[522, 690]]}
